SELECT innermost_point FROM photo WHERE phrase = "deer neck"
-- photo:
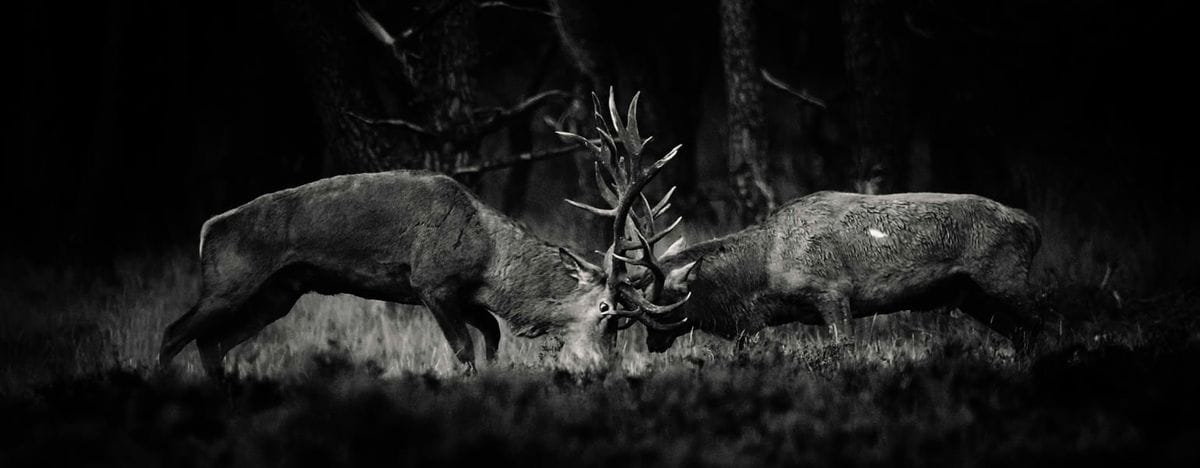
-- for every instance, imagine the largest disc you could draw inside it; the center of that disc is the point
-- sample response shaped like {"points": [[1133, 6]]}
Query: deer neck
{"points": [[526, 283], [730, 277]]}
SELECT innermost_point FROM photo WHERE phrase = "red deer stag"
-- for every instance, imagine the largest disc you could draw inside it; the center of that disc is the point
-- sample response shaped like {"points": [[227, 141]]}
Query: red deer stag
{"points": [[829, 257], [408, 237]]}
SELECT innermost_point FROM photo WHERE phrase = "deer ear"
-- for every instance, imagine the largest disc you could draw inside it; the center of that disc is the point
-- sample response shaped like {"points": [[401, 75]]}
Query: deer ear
{"points": [[578, 268], [680, 277]]}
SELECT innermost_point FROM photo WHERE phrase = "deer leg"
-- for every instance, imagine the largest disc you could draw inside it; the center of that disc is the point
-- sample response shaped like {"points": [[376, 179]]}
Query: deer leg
{"points": [[482, 320], [212, 357], [999, 315], [1000, 299], [199, 321], [835, 310], [202, 323], [273, 300], [448, 315]]}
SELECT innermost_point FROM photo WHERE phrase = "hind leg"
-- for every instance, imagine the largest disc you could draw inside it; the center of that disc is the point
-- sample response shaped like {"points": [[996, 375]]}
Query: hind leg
{"points": [[201, 319], [482, 320], [442, 303], [212, 357], [273, 300]]}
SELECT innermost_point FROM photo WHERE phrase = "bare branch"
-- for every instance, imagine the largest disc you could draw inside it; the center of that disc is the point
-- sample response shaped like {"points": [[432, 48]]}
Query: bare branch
{"points": [[523, 157], [412, 127], [525, 9], [800, 94], [501, 116]]}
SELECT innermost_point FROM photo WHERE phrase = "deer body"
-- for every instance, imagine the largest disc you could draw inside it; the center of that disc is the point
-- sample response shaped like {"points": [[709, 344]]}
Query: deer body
{"points": [[405, 237], [829, 257]]}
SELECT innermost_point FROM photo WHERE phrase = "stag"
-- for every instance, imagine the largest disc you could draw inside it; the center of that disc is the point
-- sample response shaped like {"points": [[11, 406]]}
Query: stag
{"points": [[829, 257], [407, 237]]}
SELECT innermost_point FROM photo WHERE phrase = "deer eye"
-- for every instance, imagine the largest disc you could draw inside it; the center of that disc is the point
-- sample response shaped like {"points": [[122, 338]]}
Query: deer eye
{"points": [[603, 307]]}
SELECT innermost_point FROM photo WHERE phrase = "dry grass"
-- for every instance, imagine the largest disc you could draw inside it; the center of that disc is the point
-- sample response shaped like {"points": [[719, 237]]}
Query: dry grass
{"points": [[65, 323], [346, 382]]}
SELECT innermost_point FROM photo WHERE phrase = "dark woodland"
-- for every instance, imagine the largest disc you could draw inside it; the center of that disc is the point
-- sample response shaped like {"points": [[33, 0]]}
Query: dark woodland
{"points": [[134, 122]]}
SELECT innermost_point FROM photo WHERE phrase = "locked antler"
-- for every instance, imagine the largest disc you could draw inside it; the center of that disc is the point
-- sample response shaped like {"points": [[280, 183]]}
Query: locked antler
{"points": [[620, 179]]}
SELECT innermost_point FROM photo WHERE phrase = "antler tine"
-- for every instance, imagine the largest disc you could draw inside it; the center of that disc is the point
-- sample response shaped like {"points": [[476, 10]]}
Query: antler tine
{"points": [[635, 188], [649, 262], [611, 156], [600, 122], [616, 117], [647, 312], [663, 203], [658, 236], [649, 322], [641, 304], [606, 189], [589, 144], [601, 212], [638, 178], [631, 129], [627, 131], [626, 324], [658, 165], [620, 178], [648, 225]]}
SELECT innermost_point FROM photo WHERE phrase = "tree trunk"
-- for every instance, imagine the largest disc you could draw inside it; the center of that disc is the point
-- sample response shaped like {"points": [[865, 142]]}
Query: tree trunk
{"points": [[350, 72], [874, 55], [520, 140], [643, 52], [449, 51], [746, 124], [323, 34]]}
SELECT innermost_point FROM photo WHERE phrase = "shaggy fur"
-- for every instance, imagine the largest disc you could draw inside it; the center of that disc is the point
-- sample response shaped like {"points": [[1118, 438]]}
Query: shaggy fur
{"points": [[829, 257], [406, 237]]}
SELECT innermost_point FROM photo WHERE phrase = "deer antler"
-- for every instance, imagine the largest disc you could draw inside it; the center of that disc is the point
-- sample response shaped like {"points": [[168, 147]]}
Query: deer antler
{"points": [[620, 179]]}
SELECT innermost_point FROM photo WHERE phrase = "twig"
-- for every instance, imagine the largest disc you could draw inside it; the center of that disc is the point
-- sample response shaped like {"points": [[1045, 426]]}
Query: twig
{"points": [[516, 7], [800, 94], [412, 127], [523, 157], [501, 115]]}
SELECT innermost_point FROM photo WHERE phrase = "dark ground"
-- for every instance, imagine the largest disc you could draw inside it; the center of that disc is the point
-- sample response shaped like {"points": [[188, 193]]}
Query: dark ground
{"points": [[1104, 393]]}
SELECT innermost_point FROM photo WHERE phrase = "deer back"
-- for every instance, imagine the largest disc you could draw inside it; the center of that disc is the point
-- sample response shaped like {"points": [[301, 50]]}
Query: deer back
{"points": [[874, 245], [357, 225]]}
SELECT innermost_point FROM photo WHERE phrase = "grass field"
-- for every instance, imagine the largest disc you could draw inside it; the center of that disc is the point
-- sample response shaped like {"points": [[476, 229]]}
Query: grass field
{"points": [[345, 382]]}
